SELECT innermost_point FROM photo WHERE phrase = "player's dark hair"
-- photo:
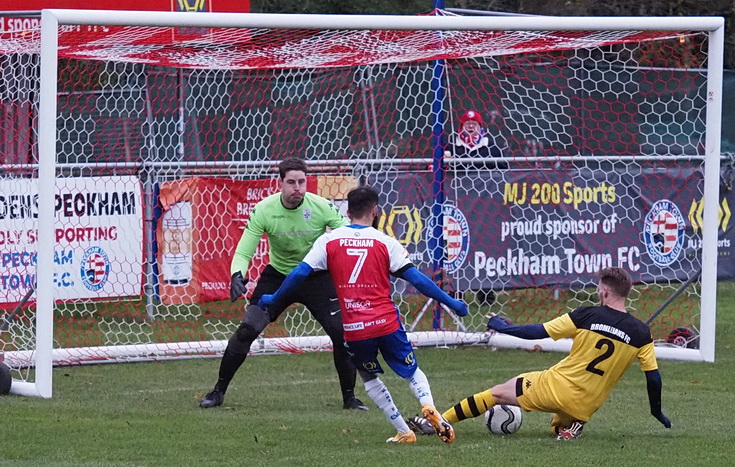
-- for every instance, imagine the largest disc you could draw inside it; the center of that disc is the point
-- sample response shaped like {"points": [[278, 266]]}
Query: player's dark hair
{"points": [[361, 200], [618, 280], [289, 164]]}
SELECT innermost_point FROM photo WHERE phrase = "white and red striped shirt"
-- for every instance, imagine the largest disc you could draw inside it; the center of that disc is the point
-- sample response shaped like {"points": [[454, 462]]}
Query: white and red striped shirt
{"points": [[360, 260]]}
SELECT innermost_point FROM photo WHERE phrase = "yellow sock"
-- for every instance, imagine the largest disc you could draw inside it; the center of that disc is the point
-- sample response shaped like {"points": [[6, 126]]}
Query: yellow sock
{"points": [[473, 406]]}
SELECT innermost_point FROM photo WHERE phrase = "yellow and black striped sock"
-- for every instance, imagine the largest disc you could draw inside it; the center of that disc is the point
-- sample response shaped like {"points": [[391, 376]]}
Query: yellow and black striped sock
{"points": [[473, 406]]}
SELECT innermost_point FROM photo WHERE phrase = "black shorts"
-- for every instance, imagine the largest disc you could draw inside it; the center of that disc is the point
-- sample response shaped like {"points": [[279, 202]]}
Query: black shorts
{"points": [[316, 292]]}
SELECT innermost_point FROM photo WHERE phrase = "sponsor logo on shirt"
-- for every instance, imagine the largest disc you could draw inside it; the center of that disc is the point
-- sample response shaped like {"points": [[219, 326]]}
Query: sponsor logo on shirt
{"points": [[362, 325], [357, 305]]}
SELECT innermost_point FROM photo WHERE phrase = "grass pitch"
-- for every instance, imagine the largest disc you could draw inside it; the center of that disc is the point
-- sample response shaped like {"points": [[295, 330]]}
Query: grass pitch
{"points": [[286, 411]]}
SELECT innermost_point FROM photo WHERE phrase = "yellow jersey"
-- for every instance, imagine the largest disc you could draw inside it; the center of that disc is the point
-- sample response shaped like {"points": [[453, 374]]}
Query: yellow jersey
{"points": [[606, 341]]}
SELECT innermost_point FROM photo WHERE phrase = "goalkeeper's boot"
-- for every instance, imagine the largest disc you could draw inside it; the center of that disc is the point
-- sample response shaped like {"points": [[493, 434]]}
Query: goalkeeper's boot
{"points": [[441, 426], [213, 399], [407, 437], [420, 426], [572, 432], [354, 403]]}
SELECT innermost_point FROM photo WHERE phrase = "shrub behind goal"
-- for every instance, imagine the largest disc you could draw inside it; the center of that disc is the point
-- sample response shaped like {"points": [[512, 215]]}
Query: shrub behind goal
{"points": [[141, 143]]}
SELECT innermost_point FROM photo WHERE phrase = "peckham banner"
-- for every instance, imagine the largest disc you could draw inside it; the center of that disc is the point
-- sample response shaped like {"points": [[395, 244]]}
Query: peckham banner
{"points": [[98, 233], [531, 228], [202, 222]]}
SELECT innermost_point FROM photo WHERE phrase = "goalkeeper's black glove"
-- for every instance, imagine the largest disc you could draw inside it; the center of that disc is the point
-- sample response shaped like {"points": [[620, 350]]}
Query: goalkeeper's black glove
{"points": [[663, 419], [238, 286]]}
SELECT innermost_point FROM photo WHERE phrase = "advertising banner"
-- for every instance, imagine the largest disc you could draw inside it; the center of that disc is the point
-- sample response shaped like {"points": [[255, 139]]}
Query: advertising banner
{"points": [[202, 222], [98, 233], [530, 228], [237, 6]]}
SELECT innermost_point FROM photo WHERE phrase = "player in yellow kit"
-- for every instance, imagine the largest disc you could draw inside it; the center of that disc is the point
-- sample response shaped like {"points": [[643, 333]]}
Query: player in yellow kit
{"points": [[606, 341]]}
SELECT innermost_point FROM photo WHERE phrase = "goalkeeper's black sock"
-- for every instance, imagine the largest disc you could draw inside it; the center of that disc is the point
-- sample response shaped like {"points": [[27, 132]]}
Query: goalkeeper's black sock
{"points": [[473, 406], [229, 365], [346, 372], [348, 394]]}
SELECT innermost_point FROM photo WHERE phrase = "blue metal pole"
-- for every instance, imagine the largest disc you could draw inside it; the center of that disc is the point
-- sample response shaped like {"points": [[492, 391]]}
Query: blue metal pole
{"points": [[436, 241]]}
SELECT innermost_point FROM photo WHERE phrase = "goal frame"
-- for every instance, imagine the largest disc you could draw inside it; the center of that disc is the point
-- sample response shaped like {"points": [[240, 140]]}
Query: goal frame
{"points": [[52, 19]]}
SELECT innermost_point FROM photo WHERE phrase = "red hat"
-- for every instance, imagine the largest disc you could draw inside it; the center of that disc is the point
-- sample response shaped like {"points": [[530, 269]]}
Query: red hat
{"points": [[471, 115]]}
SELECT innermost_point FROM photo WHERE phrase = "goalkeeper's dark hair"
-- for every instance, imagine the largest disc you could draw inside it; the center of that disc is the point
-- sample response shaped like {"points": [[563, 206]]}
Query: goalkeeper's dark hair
{"points": [[361, 200], [618, 280], [289, 164]]}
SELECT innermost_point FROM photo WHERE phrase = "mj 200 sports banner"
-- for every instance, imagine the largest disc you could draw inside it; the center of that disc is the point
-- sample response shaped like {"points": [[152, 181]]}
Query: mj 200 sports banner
{"points": [[530, 228]]}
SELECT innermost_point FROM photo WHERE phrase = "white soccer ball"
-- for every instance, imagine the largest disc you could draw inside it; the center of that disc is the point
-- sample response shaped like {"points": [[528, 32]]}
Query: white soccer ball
{"points": [[503, 419]]}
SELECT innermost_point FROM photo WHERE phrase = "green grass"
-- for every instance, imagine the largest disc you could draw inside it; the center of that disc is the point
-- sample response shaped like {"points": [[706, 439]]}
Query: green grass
{"points": [[286, 410]]}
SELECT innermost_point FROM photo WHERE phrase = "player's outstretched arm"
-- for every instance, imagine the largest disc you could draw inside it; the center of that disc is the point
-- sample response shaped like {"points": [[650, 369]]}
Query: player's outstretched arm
{"points": [[291, 281], [427, 287], [527, 331], [654, 384]]}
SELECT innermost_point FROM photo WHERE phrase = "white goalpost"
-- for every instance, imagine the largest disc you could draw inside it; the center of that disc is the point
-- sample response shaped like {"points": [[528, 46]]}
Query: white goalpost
{"points": [[152, 135]]}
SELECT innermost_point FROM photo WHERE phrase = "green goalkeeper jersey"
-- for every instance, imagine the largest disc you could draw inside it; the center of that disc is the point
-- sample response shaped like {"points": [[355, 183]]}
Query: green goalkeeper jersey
{"points": [[290, 232]]}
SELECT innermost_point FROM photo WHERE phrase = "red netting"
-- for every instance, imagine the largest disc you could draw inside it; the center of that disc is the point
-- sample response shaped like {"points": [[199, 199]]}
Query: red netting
{"points": [[214, 48], [582, 134]]}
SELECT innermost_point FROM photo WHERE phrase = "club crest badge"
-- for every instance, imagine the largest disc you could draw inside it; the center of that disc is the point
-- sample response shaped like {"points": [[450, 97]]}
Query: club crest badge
{"points": [[664, 232], [94, 268], [456, 231]]}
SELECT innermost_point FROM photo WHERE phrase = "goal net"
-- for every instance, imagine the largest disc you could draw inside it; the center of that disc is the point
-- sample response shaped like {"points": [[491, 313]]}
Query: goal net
{"points": [[133, 150]]}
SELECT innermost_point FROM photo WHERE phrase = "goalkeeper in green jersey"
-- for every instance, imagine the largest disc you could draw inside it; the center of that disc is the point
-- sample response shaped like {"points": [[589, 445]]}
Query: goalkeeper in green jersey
{"points": [[292, 220]]}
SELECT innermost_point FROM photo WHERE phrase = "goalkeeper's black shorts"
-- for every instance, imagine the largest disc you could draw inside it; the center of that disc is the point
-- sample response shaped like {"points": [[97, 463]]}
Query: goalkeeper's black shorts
{"points": [[316, 292]]}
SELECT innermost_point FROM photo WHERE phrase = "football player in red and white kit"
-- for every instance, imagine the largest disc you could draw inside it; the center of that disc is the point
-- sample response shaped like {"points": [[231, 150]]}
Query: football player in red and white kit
{"points": [[360, 259]]}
